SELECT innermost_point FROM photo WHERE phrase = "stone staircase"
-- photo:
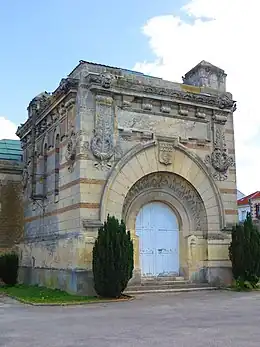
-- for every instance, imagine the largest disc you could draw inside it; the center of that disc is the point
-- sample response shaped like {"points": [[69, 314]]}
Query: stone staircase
{"points": [[166, 285]]}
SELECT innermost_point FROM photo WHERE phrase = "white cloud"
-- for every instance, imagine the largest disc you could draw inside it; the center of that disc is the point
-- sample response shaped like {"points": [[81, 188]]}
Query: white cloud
{"points": [[228, 39], [7, 129]]}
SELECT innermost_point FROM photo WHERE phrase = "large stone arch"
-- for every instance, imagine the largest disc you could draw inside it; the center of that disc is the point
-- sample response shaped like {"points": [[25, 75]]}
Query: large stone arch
{"points": [[143, 160], [174, 191], [186, 204]]}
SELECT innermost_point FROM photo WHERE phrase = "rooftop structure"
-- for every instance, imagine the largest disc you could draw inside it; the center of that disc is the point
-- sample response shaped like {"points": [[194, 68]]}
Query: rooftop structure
{"points": [[10, 150], [246, 199]]}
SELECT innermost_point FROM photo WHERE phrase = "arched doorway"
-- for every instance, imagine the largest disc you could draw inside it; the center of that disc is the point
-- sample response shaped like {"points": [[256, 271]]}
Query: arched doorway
{"points": [[158, 232]]}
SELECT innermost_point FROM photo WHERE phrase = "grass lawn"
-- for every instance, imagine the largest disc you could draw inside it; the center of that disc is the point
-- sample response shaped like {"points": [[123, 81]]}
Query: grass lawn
{"points": [[42, 295]]}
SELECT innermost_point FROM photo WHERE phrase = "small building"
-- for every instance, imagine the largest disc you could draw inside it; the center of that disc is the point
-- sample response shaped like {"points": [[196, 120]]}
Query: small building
{"points": [[11, 201], [158, 154], [249, 204]]}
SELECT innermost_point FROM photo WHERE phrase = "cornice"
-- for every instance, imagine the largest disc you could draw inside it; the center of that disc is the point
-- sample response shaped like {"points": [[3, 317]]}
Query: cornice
{"points": [[124, 85], [127, 85], [47, 104]]}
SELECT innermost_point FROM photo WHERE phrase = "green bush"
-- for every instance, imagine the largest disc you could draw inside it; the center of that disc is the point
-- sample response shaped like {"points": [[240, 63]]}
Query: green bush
{"points": [[112, 259], [9, 268], [244, 253]]}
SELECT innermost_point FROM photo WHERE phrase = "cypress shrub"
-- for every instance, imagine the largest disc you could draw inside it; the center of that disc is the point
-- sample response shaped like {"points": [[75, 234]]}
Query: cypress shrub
{"points": [[112, 259], [244, 253], [9, 264]]}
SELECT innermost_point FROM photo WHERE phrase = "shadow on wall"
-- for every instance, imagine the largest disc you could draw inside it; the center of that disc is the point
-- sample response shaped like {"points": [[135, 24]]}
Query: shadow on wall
{"points": [[11, 214]]}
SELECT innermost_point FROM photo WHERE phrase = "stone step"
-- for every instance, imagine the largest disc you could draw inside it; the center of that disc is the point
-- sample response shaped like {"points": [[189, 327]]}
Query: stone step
{"points": [[162, 279], [158, 281], [170, 290], [165, 285]]}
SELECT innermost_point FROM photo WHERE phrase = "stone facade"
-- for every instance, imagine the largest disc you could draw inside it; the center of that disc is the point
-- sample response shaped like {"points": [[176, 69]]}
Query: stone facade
{"points": [[109, 141], [11, 204]]}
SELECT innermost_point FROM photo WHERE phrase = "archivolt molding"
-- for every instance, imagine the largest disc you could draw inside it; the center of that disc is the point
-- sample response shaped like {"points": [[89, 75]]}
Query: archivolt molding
{"points": [[166, 196], [116, 169], [199, 162], [143, 147], [179, 188]]}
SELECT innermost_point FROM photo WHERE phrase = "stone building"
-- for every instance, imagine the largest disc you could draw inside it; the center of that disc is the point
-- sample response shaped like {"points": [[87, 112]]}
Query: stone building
{"points": [[156, 153], [11, 202], [249, 204]]}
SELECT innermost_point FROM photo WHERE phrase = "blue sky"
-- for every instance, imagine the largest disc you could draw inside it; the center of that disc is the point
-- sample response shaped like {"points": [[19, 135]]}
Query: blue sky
{"points": [[42, 41]]}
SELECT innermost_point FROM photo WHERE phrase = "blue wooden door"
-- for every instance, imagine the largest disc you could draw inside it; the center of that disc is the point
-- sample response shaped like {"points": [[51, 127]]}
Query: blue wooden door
{"points": [[157, 228]]}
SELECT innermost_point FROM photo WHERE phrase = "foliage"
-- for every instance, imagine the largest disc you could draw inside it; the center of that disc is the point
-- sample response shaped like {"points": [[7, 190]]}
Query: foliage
{"points": [[112, 259], [242, 285], [9, 263], [244, 253], [36, 294]]}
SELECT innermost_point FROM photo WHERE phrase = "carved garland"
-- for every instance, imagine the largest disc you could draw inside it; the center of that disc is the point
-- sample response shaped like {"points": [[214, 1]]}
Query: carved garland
{"points": [[181, 188], [102, 143], [74, 143], [219, 159], [25, 178]]}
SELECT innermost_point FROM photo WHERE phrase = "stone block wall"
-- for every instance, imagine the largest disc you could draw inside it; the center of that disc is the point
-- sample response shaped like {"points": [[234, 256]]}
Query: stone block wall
{"points": [[11, 205]]}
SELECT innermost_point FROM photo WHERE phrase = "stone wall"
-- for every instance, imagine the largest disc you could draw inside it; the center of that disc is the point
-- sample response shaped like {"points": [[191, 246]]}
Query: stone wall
{"points": [[11, 205]]}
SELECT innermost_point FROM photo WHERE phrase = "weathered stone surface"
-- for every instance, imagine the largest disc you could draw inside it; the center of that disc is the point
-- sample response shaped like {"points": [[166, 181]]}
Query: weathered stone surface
{"points": [[101, 132], [11, 205]]}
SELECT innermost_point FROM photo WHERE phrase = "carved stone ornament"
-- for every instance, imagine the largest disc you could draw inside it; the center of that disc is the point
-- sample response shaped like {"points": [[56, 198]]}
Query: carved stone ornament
{"points": [[23, 142], [179, 187], [200, 113], [74, 143], [126, 104], [147, 106], [71, 152], [104, 79], [62, 110], [183, 110], [219, 158], [165, 152], [39, 103], [107, 80], [65, 85], [25, 178], [102, 144], [223, 101], [220, 117], [165, 108]]}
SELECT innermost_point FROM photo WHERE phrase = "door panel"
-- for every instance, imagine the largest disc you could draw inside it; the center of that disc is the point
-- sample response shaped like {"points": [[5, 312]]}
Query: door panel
{"points": [[157, 228]]}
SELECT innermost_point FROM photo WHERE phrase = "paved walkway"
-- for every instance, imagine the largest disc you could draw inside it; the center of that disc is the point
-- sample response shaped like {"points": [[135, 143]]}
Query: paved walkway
{"points": [[199, 319]]}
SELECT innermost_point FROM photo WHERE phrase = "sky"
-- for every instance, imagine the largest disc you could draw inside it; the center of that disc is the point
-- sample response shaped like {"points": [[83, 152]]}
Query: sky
{"points": [[42, 41]]}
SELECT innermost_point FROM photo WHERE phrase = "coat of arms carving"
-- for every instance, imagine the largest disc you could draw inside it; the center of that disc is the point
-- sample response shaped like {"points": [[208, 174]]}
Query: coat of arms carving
{"points": [[165, 152]]}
